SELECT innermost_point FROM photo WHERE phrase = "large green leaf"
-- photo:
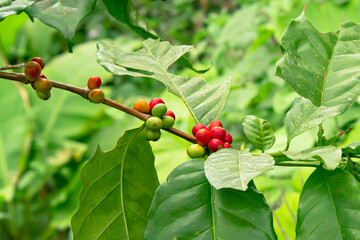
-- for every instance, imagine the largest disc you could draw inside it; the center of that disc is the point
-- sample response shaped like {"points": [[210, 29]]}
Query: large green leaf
{"points": [[187, 207], [329, 206], [118, 187], [303, 115], [259, 132], [322, 67], [63, 15], [330, 156], [204, 101], [9, 7], [231, 168]]}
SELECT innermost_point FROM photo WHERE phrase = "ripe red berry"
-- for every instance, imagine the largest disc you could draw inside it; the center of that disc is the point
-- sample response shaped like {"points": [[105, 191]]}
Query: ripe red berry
{"points": [[94, 82], [203, 137], [39, 60], [197, 127], [215, 144], [170, 113], [32, 71], [227, 145], [215, 123], [218, 133], [155, 101], [96, 96], [142, 106], [228, 138]]}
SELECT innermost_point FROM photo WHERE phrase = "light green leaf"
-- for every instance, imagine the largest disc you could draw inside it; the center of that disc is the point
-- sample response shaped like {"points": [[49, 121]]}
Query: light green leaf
{"points": [[63, 15], [231, 168], [205, 102], [118, 187], [9, 7], [303, 115], [329, 206], [322, 67], [187, 207], [259, 132], [330, 156]]}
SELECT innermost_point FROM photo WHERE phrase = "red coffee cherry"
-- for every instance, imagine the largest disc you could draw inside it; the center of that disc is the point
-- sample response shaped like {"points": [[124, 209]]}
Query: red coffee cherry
{"points": [[43, 85], [197, 127], [155, 101], [94, 82], [32, 71], [215, 144], [142, 106], [96, 96], [203, 137], [227, 145], [215, 123], [170, 113], [39, 60], [218, 133], [228, 138]]}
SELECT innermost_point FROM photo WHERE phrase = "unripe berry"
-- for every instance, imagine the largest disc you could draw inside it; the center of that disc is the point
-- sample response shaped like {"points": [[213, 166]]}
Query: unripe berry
{"points": [[167, 122], [215, 144], [159, 110], [215, 123], [141, 106], [203, 137], [154, 123], [94, 82], [218, 133], [32, 71], [43, 85], [228, 138], [153, 135], [43, 95], [227, 145], [154, 102], [197, 127], [170, 113], [196, 151], [96, 96], [39, 60]]}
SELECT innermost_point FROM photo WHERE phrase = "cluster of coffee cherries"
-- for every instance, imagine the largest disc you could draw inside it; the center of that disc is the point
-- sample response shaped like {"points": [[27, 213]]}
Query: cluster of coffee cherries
{"points": [[38, 81], [161, 117], [214, 138], [95, 95]]}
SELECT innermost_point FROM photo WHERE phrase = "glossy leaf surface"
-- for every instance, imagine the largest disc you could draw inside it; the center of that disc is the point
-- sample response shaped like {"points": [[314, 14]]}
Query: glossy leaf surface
{"points": [[205, 102], [9, 7], [187, 207], [118, 187], [329, 206]]}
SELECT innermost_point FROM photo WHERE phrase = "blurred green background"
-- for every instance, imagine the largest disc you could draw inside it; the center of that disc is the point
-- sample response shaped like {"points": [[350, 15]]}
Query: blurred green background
{"points": [[44, 144]]}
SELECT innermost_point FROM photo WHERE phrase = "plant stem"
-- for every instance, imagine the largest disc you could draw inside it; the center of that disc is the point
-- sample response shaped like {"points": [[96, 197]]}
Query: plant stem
{"points": [[21, 65], [83, 92]]}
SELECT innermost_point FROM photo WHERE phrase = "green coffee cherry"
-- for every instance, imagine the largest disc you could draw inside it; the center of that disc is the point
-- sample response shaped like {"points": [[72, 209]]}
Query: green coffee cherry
{"points": [[196, 151], [152, 135], [159, 110], [167, 122], [43, 95], [154, 123]]}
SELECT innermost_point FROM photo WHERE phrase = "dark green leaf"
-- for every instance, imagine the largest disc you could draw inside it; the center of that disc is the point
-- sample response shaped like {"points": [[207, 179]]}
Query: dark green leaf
{"points": [[231, 168], [259, 132], [118, 187], [322, 67], [205, 102], [63, 15], [10, 7], [187, 207], [329, 206]]}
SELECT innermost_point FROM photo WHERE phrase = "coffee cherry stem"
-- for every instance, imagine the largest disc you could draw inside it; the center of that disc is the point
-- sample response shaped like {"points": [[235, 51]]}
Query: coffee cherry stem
{"points": [[17, 66]]}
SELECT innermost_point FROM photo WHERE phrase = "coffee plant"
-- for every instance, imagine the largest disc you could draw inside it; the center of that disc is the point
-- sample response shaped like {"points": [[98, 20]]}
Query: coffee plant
{"points": [[212, 195]]}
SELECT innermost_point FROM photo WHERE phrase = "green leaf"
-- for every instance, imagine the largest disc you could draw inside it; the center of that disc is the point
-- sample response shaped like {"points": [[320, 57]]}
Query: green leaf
{"points": [[231, 168], [322, 67], [205, 102], [329, 206], [330, 156], [303, 115], [9, 7], [118, 187], [259, 132], [353, 148], [187, 207], [63, 15]]}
